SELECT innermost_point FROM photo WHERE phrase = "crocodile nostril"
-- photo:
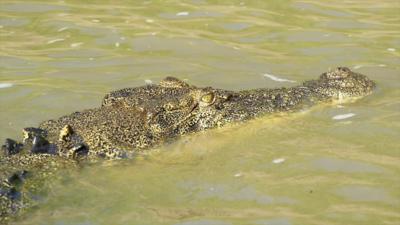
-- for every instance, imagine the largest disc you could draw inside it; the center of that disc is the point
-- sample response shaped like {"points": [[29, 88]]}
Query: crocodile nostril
{"points": [[343, 69]]}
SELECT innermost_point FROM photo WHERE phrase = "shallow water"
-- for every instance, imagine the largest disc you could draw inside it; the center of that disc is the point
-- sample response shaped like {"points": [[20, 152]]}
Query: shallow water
{"points": [[330, 165]]}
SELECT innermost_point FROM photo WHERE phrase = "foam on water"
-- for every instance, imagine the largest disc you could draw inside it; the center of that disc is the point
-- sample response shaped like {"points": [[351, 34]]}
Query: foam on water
{"points": [[278, 160], [275, 78], [6, 85], [74, 45], [343, 116], [182, 14], [55, 40]]}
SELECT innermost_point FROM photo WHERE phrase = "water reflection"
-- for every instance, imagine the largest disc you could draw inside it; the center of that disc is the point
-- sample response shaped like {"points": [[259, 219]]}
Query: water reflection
{"points": [[365, 193], [31, 8], [346, 166]]}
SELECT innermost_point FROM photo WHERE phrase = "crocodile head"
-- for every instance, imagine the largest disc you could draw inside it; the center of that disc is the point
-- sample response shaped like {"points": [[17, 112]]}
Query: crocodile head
{"points": [[341, 84], [174, 107]]}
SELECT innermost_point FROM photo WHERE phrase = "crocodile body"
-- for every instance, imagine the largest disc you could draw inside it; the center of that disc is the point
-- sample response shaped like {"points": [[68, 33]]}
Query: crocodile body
{"points": [[134, 119]]}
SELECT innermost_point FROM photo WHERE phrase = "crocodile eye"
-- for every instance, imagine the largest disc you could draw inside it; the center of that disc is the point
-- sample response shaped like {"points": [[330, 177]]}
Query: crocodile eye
{"points": [[208, 98]]}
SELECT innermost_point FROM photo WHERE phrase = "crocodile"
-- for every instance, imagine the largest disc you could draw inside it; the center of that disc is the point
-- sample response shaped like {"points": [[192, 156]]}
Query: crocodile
{"points": [[132, 120]]}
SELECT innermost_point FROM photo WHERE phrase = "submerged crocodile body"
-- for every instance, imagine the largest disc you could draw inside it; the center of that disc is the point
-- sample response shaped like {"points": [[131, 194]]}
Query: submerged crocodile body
{"points": [[134, 119]]}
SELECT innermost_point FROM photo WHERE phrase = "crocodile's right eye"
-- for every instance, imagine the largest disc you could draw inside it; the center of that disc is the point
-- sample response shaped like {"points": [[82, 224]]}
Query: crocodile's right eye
{"points": [[208, 98]]}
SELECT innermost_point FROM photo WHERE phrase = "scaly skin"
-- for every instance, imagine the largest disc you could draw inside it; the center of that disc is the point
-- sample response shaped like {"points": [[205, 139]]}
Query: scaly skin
{"points": [[24, 177], [134, 119]]}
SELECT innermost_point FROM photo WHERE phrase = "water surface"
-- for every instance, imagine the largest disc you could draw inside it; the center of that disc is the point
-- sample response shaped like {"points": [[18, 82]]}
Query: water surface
{"points": [[316, 167]]}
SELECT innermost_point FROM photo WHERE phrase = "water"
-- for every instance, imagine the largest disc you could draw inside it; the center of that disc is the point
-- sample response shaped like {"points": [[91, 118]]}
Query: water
{"points": [[317, 167]]}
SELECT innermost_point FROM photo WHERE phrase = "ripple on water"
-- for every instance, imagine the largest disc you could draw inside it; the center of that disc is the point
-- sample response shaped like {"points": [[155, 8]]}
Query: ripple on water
{"points": [[61, 25], [181, 46], [316, 9], [228, 193], [315, 36], [275, 221], [78, 53], [236, 26], [13, 22], [15, 63], [31, 7], [346, 166], [111, 39], [89, 63], [361, 193], [190, 15], [347, 24], [204, 222]]}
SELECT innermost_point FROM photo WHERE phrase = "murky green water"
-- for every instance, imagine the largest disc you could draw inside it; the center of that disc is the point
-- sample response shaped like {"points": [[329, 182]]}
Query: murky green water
{"points": [[57, 57]]}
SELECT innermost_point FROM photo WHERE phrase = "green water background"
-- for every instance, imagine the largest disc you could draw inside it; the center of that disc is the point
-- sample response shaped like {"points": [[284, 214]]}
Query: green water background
{"points": [[57, 57]]}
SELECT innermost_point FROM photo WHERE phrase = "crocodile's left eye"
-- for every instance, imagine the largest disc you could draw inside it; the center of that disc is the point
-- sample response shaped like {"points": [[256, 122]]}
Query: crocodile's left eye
{"points": [[208, 98]]}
